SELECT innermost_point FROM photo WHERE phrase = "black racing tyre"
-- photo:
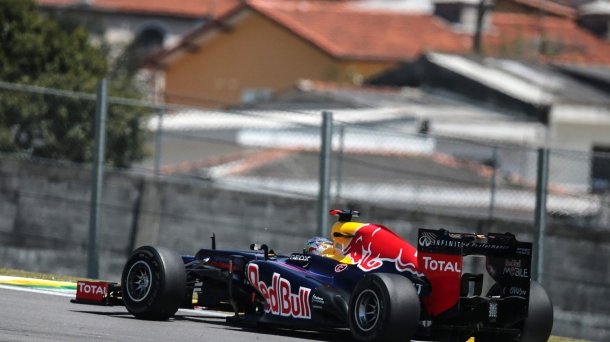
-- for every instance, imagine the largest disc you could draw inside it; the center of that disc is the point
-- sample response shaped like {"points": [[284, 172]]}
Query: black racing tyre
{"points": [[153, 283], [384, 307], [539, 322], [494, 290]]}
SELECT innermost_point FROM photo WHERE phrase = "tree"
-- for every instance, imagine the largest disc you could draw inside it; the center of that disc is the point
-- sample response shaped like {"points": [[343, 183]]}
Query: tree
{"points": [[39, 51]]}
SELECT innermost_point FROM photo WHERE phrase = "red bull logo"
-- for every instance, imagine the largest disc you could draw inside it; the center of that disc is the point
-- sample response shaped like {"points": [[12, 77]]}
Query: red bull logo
{"points": [[279, 299], [373, 244]]}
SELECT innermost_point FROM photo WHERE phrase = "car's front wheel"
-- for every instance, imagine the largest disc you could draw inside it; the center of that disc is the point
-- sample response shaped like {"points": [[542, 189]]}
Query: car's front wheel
{"points": [[384, 307], [153, 283]]}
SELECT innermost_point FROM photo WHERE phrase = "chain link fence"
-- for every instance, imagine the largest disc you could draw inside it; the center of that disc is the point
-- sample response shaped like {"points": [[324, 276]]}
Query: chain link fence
{"points": [[167, 168], [579, 188], [377, 157]]}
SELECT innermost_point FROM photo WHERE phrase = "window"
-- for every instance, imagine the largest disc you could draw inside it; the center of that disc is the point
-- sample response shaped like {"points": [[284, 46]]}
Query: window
{"points": [[600, 169], [149, 40]]}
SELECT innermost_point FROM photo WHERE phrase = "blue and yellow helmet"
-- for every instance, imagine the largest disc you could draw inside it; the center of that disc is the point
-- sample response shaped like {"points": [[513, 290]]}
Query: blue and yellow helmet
{"points": [[317, 245]]}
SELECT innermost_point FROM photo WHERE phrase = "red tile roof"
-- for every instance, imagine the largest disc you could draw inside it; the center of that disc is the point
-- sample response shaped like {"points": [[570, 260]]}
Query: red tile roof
{"points": [[350, 33], [565, 41], [180, 8]]}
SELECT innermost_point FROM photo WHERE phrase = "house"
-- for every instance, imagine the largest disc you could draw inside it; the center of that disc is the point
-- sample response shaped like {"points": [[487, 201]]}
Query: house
{"points": [[265, 46], [595, 16], [535, 29], [152, 24], [575, 114]]}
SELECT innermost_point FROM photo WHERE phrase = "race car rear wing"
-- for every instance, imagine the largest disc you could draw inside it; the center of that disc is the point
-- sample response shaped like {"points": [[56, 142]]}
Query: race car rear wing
{"points": [[440, 256]]}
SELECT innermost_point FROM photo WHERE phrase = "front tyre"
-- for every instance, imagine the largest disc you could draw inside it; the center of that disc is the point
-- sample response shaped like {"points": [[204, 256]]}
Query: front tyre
{"points": [[384, 307], [153, 283]]}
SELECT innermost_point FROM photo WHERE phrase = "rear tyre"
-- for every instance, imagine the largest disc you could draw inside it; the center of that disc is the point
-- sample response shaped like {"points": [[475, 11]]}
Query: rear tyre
{"points": [[539, 322], [153, 283], [384, 307]]}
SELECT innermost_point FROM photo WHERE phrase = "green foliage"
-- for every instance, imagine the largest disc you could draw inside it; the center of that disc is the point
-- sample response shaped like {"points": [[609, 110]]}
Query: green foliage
{"points": [[39, 51]]}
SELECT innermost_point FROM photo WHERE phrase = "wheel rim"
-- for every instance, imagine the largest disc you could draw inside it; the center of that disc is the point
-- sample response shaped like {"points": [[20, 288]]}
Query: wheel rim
{"points": [[367, 310], [139, 280]]}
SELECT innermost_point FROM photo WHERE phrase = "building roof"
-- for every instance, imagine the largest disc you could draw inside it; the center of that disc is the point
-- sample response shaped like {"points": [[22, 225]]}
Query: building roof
{"points": [[405, 108], [518, 36], [182, 8], [597, 74], [595, 8], [527, 81], [345, 31], [549, 7]]}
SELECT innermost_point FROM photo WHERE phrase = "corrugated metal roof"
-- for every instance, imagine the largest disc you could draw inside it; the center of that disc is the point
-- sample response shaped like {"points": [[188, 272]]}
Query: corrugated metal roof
{"points": [[527, 81], [494, 78]]}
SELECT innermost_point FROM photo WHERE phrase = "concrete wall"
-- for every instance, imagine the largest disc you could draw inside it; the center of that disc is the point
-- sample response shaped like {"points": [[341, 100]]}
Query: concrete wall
{"points": [[44, 215]]}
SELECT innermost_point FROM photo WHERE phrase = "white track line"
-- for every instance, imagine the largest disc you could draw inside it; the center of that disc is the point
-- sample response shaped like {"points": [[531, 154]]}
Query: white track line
{"points": [[206, 313]]}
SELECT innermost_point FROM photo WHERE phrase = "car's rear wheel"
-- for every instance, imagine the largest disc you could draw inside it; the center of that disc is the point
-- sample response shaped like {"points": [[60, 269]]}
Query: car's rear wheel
{"points": [[153, 283], [539, 322], [384, 307]]}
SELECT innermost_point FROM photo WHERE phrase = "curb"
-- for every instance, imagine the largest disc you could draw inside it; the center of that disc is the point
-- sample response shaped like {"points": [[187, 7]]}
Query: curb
{"points": [[37, 283]]}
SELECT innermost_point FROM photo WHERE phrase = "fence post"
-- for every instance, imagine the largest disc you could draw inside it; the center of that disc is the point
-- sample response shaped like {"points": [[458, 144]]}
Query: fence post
{"points": [[540, 215], [101, 107], [492, 201], [158, 137], [340, 161], [325, 158]]}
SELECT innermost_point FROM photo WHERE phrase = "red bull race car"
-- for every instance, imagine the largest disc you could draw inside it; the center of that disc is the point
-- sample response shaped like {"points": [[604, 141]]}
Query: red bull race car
{"points": [[370, 281]]}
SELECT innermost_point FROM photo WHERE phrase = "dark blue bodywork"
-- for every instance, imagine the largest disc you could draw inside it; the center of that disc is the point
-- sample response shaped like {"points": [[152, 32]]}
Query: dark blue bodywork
{"points": [[327, 284]]}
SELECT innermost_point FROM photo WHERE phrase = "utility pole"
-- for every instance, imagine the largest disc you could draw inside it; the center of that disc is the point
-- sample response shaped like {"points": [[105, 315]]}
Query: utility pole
{"points": [[492, 201], [101, 107], [158, 138], [481, 8], [540, 215], [340, 161], [325, 158]]}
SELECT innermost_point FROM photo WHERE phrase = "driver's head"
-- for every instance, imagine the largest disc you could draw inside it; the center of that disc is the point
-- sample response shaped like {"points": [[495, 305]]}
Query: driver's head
{"points": [[317, 245]]}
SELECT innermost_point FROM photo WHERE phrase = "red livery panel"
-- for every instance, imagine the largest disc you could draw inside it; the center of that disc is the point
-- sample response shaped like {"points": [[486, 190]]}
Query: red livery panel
{"points": [[90, 290], [444, 272]]}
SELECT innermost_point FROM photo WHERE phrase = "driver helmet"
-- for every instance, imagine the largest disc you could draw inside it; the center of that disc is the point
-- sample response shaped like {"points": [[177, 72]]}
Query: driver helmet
{"points": [[317, 245]]}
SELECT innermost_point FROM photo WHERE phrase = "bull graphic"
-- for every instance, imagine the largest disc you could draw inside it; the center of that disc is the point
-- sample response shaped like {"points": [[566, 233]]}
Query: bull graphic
{"points": [[373, 244]]}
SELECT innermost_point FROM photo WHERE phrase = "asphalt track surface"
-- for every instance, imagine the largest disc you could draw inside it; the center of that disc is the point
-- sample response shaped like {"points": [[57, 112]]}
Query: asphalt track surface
{"points": [[28, 316]]}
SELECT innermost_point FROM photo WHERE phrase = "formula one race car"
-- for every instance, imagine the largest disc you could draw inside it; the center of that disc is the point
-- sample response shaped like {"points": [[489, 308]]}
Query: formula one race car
{"points": [[377, 285]]}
